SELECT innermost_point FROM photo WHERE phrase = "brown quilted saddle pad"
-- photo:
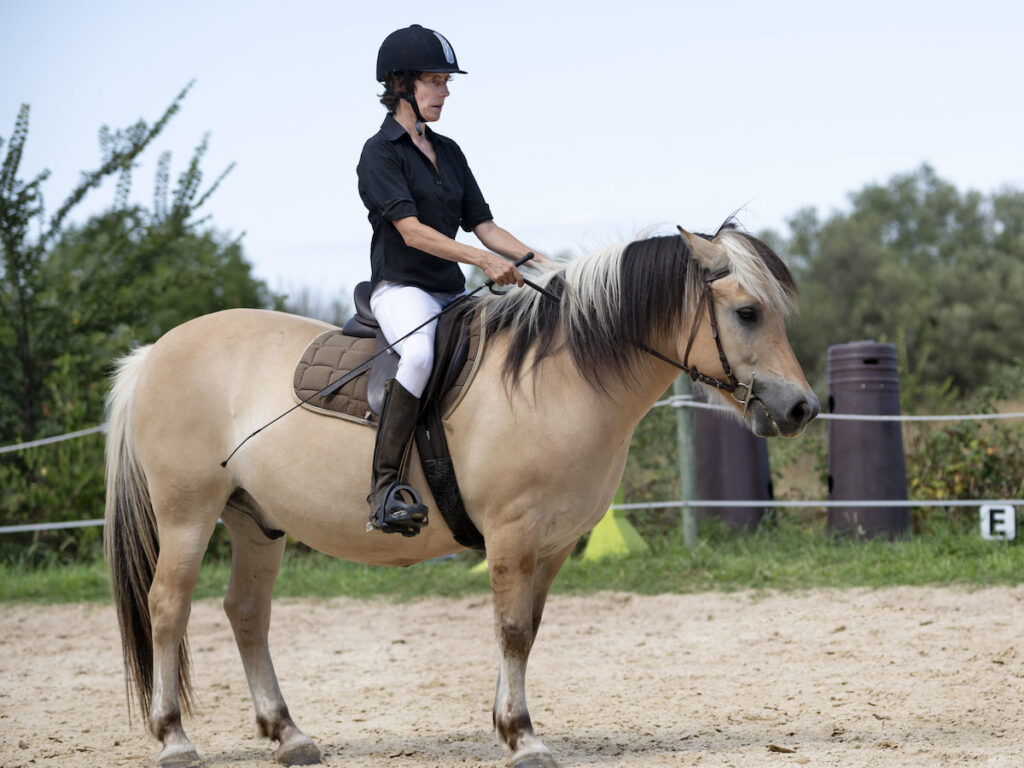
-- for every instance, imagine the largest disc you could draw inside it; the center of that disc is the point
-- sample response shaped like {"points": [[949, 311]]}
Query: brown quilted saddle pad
{"points": [[332, 355]]}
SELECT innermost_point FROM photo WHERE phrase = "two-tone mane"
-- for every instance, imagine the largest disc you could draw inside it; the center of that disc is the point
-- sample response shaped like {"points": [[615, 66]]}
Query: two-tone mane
{"points": [[619, 300]]}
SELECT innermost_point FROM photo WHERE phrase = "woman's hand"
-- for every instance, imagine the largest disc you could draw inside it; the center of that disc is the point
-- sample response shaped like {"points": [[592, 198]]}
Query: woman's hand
{"points": [[501, 272]]}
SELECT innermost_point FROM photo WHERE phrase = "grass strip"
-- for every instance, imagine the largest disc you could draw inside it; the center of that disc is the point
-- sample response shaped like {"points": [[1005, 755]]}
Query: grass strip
{"points": [[783, 558]]}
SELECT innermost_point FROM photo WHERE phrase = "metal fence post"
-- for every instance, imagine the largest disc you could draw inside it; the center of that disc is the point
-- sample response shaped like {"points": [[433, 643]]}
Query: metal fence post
{"points": [[687, 462]]}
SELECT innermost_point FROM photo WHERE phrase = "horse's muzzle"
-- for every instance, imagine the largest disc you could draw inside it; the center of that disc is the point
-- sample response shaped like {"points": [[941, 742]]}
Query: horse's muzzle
{"points": [[777, 409]]}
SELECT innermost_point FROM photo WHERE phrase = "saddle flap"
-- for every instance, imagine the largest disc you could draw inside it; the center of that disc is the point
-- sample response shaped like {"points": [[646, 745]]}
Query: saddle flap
{"points": [[384, 367]]}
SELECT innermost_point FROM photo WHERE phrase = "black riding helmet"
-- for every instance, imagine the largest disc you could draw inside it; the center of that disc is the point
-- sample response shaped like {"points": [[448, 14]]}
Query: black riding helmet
{"points": [[415, 49]]}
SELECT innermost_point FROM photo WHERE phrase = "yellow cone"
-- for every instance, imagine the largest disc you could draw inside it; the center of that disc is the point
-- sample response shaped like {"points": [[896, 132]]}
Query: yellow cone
{"points": [[614, 536]]}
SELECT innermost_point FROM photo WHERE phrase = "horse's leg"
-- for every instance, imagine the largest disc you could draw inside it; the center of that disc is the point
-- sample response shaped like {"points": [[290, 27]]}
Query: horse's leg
{"points": [[520, 582], [182, 547], [255, 561]]}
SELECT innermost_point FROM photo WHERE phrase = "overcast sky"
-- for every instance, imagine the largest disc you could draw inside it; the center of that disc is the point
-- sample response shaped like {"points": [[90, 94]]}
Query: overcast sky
{"points": [[585, 122]]}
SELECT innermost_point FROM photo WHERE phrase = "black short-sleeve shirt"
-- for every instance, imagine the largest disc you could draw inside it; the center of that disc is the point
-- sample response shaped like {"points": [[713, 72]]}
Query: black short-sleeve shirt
{"points": [[397, 180]]}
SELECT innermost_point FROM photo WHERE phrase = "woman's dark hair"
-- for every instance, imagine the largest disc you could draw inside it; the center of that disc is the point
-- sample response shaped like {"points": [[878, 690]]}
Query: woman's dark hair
{"points": [[403, 81]]}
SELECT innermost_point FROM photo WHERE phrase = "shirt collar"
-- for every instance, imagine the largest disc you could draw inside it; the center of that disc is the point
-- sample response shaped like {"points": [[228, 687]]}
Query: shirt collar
{"points": [[393, 130]]}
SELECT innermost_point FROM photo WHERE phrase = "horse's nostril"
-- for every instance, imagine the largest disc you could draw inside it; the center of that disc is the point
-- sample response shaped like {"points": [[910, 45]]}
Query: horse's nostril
{"points": [[802, 412], [798, 412]]}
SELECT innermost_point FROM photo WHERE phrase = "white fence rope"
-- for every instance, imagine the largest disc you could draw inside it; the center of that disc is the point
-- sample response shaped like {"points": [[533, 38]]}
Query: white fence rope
{"points": [[652, 505], [50, 526], [675, 401], [51, 440], [687, 401], [812, 504]]}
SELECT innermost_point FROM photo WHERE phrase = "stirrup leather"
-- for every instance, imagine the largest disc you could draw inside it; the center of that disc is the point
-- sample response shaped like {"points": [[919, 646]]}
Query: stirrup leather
{"points": [[397, 515]]}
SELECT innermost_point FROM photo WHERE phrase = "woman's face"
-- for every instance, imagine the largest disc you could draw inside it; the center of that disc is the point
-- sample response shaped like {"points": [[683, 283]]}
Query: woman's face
{"points": [[431, 91]]}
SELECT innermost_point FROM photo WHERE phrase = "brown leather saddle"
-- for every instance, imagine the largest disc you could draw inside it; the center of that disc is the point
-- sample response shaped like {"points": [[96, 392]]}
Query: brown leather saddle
{"points": [[349, 354], [363, 325]]}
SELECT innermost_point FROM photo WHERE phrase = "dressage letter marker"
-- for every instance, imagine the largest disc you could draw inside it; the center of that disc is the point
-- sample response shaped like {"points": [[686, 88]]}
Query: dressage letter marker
{"points": [[998, 522]]}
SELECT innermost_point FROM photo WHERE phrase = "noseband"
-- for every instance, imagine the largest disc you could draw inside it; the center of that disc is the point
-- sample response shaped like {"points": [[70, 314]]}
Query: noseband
{"points": [[742, 393]]}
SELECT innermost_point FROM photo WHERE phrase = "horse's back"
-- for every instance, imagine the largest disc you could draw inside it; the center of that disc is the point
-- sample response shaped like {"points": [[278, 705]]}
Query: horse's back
{"points": [[221, 331], [241, 340], [208, 380]]}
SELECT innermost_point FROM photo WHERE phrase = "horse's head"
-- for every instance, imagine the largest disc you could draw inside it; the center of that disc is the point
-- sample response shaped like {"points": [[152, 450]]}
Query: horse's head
{"points": [[747, 291]]}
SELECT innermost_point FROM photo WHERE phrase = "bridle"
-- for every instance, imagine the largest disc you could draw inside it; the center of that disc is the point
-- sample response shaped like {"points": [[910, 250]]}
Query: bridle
{"points": [[742, 393]]}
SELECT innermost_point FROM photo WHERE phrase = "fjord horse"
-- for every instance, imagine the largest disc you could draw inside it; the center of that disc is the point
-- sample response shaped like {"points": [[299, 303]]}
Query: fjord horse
{"points": [[539, 444]]}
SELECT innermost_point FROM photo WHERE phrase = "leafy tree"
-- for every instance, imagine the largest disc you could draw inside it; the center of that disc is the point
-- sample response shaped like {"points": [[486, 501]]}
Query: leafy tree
{"points": [[917, 263], [129, 274], [72, 298]]}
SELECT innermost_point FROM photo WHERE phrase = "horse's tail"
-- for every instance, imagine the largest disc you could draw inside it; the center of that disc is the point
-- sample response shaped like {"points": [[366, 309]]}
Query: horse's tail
{"points": [[130, 540]]}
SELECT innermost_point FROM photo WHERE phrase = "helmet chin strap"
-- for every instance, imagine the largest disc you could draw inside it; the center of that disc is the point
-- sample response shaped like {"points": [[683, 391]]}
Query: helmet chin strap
{"points": [[411, 98]]}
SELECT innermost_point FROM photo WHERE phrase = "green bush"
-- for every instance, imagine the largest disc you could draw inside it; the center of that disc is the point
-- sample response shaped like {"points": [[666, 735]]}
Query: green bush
{"points": [[73, 298], [964, 460]]}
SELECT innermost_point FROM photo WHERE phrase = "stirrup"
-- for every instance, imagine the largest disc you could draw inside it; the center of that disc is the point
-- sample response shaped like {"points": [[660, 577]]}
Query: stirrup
{"points": [[396, 515]]}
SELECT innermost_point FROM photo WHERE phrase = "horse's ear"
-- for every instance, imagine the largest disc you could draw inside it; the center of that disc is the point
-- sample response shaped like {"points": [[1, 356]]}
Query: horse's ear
{"points": [[708, 253]]}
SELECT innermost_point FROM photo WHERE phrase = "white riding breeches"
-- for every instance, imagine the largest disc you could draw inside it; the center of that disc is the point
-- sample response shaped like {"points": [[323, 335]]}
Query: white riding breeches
{"points": [[400, 308]]}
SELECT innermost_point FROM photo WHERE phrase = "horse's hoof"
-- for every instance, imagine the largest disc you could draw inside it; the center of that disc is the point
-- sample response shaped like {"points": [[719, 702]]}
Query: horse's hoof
{"points": [[186, 757], [298, 752], [535, 761]]}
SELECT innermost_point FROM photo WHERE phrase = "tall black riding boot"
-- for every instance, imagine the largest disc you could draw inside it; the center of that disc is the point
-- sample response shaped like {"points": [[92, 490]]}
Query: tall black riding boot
{"points": [[394, 507]]}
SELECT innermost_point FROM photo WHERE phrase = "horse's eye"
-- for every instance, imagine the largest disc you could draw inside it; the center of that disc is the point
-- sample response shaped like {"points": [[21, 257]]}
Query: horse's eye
{"points": [[747, 314]]}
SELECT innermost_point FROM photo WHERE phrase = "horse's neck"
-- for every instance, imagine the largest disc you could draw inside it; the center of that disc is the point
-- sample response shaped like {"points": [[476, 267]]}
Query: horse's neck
{"points": [[652, 385], [557, 382], [625, 402], [652, 378]]}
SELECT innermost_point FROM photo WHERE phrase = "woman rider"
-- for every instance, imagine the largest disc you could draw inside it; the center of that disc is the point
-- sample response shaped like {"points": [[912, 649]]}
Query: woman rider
{"points": [[418, 190]]}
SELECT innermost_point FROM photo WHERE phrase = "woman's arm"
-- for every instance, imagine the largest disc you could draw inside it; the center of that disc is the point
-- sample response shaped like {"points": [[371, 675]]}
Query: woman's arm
{"points": [[504, 242], [418, 235]]}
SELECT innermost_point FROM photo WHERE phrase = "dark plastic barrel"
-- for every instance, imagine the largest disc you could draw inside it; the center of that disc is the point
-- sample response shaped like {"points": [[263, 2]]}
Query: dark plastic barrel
{"points": [[731, 464], [865, 458]]}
